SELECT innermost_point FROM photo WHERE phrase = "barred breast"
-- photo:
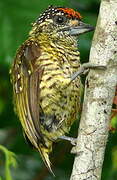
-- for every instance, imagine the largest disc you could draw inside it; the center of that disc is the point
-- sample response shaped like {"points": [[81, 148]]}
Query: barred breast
{"points": [[59, 97]]}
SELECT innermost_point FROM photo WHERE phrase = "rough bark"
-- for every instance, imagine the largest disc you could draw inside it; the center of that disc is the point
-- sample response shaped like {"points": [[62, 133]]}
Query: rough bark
{"points": [[99, 93]]}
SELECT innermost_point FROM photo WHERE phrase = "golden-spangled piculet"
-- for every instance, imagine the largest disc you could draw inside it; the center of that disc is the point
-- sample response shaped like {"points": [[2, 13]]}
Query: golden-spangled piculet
{"points": [[46, 89]]}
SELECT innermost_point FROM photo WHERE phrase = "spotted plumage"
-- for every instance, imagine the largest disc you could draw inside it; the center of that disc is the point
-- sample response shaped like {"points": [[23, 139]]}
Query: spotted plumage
{"points": [[52, 11], [46, 99]]}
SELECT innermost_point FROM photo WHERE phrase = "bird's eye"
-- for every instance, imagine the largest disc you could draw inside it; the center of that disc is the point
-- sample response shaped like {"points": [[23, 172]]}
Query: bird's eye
{"points": [[59, 19]]}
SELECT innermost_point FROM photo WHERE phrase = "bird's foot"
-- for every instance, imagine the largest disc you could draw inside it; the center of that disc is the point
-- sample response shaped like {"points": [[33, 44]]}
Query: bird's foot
{"points": [[73, 141], [85, 68]]}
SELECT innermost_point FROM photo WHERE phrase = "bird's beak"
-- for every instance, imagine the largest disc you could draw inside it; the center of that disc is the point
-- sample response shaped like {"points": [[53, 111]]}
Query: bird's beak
{"points": [[80, 29]]}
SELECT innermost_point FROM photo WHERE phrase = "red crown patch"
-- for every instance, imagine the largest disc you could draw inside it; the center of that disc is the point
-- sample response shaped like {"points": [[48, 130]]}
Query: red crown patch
{"points": [[70, 12]]}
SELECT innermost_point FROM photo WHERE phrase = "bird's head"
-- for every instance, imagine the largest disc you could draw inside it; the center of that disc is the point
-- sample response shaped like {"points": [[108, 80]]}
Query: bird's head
{"points": [[59, 21]]}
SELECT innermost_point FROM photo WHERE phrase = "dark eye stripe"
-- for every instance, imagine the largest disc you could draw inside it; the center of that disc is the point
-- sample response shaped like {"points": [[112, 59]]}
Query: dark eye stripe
{"points": [[59, 19]]}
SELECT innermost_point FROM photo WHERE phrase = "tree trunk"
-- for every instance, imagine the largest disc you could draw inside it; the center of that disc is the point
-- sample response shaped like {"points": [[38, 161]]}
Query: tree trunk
{"points": [[98, 98]]}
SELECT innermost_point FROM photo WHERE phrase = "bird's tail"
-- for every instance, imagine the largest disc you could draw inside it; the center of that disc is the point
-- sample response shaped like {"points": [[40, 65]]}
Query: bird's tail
{"points": [[44, 152]]}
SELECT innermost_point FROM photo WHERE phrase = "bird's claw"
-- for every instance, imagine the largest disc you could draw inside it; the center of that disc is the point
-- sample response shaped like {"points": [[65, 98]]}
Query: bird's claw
{"points": [[85, 68], [73, 141]]}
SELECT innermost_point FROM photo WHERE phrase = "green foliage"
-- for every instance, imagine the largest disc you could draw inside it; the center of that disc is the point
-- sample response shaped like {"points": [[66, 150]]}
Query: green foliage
{"points": [[114, 122], [10, 160], [15, 20]]}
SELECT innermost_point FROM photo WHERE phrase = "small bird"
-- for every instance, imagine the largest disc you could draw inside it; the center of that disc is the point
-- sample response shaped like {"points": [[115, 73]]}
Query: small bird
{"points": [[45, 76]]}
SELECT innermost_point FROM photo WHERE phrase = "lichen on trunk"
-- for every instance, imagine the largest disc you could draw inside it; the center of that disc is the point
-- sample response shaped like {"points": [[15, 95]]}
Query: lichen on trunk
{"points": [[98, 98]]}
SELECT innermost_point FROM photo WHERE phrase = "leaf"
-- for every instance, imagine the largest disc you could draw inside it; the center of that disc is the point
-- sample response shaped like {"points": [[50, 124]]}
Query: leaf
{"points": [[10, 160]]}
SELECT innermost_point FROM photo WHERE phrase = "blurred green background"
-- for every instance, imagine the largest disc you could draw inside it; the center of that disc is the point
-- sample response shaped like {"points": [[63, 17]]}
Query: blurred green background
{"points": [[15, 20]]}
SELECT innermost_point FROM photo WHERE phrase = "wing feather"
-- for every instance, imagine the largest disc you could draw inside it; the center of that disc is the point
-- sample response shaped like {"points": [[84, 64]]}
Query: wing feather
{"points": [[26, 76], [26, 79]]}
